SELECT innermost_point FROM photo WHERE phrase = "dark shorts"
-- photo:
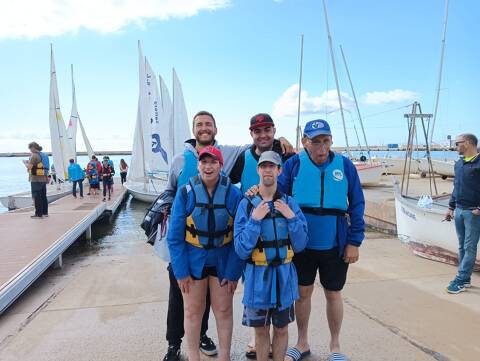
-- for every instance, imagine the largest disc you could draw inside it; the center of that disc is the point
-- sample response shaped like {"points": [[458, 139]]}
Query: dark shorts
{"points": [[207, 271], [332, 270], [94, 186], [255, 317]]}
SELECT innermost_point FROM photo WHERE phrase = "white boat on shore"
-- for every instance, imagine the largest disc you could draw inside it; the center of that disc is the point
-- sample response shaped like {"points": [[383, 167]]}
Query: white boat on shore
{"points": [[370, 173], [395, 165], [444, 168], [425, 230], [24, 199]]}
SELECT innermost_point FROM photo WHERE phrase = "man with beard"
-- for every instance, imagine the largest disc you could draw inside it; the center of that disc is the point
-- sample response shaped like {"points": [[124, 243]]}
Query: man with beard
{"points": [[262, 130], [269, 228], [183, 167], [464, 208]]}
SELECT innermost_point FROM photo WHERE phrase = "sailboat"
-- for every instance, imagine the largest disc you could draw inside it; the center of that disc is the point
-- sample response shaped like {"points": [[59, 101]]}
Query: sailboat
{"points": [[160, 130], [370, 174], [61, 150], [74, 122]]}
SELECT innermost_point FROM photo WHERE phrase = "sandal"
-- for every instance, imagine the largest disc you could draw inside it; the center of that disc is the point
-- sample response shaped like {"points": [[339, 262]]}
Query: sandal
{"points": [[295, 354]]}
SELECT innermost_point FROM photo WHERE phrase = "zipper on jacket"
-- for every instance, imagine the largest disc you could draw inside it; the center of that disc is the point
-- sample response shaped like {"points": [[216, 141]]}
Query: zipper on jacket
{"points": [[322, 188]]}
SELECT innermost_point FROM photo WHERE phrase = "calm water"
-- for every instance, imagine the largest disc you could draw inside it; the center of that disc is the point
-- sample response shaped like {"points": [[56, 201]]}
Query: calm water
{"points": [[14, 177]]}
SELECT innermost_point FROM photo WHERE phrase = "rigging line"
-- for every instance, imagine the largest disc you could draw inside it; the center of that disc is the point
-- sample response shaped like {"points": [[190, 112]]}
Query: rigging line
{"points": [[387, 111]]}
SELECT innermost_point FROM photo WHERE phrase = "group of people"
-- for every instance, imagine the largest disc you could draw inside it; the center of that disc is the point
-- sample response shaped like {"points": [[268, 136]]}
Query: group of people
{"points": [[40, 173], [288, 217], [96, 172]]}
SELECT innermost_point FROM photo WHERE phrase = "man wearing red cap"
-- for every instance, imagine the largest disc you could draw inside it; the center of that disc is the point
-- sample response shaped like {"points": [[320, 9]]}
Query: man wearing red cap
{"points": [[262, 130], [202, 256]]}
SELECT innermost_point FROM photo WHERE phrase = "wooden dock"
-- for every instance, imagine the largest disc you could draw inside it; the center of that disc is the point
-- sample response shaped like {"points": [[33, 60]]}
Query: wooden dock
{"points": [[29, 246]]}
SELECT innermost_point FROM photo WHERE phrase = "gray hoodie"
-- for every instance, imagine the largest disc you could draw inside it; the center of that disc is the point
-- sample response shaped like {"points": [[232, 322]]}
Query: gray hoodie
{"points": [[230, 154]]}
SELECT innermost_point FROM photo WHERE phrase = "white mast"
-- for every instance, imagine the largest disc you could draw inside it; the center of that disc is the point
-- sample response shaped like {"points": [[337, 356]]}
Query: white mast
{"points": [[440, 71], [356, 105], [336, 78], [299, 130]]}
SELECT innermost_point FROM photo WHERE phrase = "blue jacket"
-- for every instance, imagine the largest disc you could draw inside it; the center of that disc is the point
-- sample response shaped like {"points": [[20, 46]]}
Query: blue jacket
{"points": [[466, 186], [349, 232], [75, 172], [263, 282], [188, 260]]}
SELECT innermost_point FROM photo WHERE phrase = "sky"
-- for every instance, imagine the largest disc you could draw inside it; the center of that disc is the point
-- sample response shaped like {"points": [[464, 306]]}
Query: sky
{"points": [[236, 58]]}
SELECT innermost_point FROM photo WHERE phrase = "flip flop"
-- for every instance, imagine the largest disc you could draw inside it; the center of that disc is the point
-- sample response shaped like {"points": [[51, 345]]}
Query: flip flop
{"points": [[295, 354], [251, 353], [335, 356]]}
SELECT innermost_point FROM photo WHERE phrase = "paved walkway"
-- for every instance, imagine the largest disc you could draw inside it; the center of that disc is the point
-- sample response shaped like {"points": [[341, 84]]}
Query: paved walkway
{"points": [[112, 306]]}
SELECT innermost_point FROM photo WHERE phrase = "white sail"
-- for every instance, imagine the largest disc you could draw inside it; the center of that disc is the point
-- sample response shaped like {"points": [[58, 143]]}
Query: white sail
{"points": [[137, 163], [73, 125], [180, 127], [156, 157], [165, 120], [73, 122], [61, 151]]}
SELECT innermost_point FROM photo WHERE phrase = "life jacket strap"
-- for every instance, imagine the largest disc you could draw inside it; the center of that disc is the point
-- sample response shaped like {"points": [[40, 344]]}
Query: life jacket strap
{"points": [[272, 244], [195, 232], [210, 206], [324, 211]]}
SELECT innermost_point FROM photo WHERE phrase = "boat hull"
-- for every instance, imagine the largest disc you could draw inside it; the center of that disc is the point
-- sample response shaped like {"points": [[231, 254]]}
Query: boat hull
{"points": [[426, 232], [24, 199], [396, 165], [146, 193], [440, 167], [369, 174]]}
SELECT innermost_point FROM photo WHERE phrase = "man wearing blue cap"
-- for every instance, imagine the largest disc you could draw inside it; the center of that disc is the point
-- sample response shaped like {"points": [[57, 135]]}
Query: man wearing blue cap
{"points": [[327, 188]]}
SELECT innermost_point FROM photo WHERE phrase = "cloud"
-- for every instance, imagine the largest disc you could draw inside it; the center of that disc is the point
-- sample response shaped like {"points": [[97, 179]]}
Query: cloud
{"points": [[287, 104], [33, 19], [392, 96]]}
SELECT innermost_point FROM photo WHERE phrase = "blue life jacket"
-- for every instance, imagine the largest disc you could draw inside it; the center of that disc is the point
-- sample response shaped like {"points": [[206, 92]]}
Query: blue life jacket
{"points": [[321, 192], [273, 246], [249, 173], [210, 225], [189, 168], [93, 177], [43, 167]]}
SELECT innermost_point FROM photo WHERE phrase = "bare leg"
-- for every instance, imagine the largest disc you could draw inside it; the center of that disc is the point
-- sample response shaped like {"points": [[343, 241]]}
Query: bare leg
{"points": [[262, 342], [222, 307], [280, 343], [334, 317], [303, 307], [194, 306]]}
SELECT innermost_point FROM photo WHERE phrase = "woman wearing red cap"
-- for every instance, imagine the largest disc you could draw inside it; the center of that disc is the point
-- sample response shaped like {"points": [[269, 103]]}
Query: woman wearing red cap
{"points": [[201, 249]]}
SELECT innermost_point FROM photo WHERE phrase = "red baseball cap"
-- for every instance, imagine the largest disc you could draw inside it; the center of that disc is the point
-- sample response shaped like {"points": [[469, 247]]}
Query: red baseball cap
{"points": [[261, 120], [211, 151]]}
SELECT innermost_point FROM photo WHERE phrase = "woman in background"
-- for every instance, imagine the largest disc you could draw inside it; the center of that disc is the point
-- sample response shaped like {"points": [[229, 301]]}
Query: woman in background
{"points": [[123, 170]]}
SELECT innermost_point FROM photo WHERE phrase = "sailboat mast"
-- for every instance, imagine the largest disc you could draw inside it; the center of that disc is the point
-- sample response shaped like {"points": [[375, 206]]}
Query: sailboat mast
{"points": [[74, 141], [356, 103], [172, 123], [442, 52], [336, 78], [297, 145]]}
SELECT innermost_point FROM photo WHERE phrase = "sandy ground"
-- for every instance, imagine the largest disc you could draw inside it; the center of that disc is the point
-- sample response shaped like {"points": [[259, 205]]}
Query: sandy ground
{"points": [[111, 305]]}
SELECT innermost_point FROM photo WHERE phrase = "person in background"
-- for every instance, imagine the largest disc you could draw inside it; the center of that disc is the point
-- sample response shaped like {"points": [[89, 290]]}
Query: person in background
{"points": [[38, 166], [53, 172], [203, 258], [464, 208], [93, 179], [123, 170], [76, 176], [107, 178], [269, 229]]}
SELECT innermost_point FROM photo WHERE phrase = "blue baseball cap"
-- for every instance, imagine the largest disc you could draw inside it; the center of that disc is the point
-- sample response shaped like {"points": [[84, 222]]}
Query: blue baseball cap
{"points": [[316, 127]]}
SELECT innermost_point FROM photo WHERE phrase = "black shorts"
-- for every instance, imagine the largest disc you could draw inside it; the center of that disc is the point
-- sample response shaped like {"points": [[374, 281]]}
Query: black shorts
{"points": [[332, 270], [256, 317], [207, 271]]}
